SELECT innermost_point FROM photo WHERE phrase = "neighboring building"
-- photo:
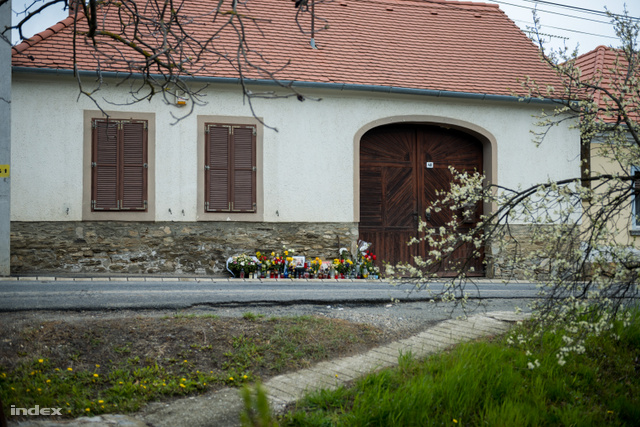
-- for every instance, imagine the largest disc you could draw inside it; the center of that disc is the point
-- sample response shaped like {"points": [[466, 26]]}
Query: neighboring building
{"points": [[599, 155], [406, 89]]}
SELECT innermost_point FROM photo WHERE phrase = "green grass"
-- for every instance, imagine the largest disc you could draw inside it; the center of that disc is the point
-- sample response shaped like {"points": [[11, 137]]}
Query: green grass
{"points": [[121, 378], [489, 383]]}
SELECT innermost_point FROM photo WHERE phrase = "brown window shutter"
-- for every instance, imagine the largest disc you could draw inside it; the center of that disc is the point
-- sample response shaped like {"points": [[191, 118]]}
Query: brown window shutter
{"points": [[119, 165], [104, 183], [134, 166], [243, 188], [217, 182]]}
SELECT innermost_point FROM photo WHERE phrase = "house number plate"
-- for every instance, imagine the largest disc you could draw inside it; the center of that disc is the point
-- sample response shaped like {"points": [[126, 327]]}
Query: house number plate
{"points": [[429, 165], [4, 171]]}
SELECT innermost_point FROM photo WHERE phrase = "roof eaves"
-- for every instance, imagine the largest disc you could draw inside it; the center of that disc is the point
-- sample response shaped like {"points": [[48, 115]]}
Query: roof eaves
{"points": [[307, 84], [33, 40]]}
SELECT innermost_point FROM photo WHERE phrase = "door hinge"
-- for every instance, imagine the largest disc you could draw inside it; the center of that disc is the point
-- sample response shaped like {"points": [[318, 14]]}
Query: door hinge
{"points": [[145, 165], [254, 168], [207, 167], [93, 164], [206, 206], [254, 131]]}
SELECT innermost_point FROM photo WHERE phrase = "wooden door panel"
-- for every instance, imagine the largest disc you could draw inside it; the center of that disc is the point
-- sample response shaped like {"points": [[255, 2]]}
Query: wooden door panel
{"points": [[399, 199], [396, 186]]}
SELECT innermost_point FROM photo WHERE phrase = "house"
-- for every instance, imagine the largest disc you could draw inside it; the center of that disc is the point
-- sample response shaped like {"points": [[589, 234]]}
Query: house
{"points": [[610, 68], [396, 91]]}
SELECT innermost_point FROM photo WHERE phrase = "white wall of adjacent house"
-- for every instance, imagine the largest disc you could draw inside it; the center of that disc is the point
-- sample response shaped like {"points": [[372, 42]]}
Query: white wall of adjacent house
{"points": [[308, 169]]}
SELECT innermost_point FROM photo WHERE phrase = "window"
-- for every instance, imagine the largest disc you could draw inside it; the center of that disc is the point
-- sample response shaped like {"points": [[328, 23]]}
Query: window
{"points": [[119, 165], [230, 168]]}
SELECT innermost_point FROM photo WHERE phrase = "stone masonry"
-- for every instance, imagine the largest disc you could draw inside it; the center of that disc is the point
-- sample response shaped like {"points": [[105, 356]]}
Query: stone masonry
{"points": [[164, 247]]}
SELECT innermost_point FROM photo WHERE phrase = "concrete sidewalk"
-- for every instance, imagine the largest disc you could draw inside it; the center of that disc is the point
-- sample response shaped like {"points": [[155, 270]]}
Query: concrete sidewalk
{"points": [[223, 407]]}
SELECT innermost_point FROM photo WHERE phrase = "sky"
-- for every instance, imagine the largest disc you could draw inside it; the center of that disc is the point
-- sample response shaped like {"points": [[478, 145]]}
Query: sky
{"points": [[574, 23]]}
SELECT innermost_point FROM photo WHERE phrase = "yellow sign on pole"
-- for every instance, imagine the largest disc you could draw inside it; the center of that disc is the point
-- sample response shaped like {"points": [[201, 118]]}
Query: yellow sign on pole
{"points": [[4, 171]]}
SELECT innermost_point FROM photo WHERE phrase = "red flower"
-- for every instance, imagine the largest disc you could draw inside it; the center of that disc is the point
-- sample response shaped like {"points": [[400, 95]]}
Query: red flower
{"points": [[374, 257]]}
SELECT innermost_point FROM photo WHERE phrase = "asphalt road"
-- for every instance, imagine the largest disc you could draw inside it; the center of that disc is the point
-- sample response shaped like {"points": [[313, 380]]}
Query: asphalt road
{"points": [[132, 293]]}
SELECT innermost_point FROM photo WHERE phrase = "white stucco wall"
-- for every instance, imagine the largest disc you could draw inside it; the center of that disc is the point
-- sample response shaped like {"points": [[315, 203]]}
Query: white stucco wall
{"points": [[308, 169]]}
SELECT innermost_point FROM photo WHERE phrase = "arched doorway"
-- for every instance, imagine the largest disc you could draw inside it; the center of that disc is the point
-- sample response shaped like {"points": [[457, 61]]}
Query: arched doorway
{"points": [[402, 167]]}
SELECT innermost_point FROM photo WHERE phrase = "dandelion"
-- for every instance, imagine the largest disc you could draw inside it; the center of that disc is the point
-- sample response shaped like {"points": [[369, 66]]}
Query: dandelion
{"points": [[57, 369], [185, 360], [97, 366], [40, 360], [455, 421], [183, 379], [230, 378], [3, 375], [120, 382], [204, 384], [100, 401], [96, 375], [48, 381], [88, 409], [245, 377], [69, 369], [164, 384], [182, 385]]}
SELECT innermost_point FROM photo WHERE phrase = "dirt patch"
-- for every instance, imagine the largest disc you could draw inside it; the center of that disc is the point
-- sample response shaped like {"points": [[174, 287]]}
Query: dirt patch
{"points": [[205, 343]]}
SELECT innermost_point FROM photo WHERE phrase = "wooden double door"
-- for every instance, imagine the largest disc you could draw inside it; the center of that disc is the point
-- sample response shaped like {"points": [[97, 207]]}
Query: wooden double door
{"points": [[402, 168]]}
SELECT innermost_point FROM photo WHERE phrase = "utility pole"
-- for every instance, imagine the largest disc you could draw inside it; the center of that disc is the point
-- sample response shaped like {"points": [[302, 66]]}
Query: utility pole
{"points": [[5, 139]]}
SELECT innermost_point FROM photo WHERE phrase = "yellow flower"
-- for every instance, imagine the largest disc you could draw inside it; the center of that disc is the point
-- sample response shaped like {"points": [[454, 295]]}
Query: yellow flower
{"points": [[286, 253], [182, 385], [185, 360], [258, 254], [230, 378], [100, 401], [3, 375], [245, 377], [96, 375], [57, 369], [120, 382], [273, 254], [455, 421], [97, 366], [87, 409], [164, 384], [40, 360], [48, 381], [183, 379], [69, 369]]}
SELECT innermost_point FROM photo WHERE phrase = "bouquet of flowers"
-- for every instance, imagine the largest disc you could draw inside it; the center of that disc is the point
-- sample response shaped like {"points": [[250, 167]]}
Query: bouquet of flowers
{"points": [[342, 265], [243, 262], [315, 265]]}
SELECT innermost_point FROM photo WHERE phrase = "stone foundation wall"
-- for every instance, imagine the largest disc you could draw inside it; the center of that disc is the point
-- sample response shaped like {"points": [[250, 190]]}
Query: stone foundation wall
{"points": [[504, 260], [163, 247]]}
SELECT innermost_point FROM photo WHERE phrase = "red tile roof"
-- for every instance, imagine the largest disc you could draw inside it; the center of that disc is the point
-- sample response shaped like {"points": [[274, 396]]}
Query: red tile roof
{"points": [[437, 45], [600, 64]]}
